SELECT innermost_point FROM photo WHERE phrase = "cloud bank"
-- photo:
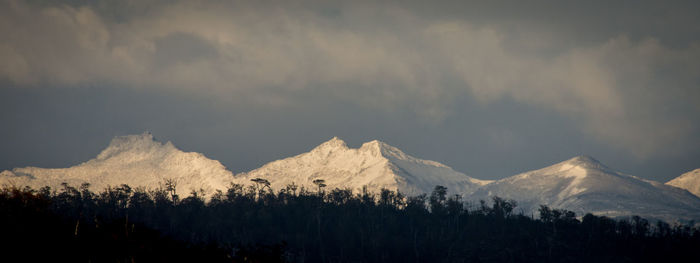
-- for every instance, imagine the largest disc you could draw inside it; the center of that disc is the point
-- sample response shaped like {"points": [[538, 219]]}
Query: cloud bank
{"points": [[635, 93]]}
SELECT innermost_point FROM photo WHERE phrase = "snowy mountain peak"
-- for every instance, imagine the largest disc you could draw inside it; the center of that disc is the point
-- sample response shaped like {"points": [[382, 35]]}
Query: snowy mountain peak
{"points": [[379, 148], [689, 181], [580, 166], [137, 160], [334, 144], [384, 150], [141, 143], [374, 144], [583, 184], [145, 137], [375, 164], [586, 161], [583, 159]]}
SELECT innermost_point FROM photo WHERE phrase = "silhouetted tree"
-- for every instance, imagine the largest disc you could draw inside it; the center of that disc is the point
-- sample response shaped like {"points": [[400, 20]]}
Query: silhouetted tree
{"points": [[320, 183], [121, 224], [260, 185], [437, 199]]}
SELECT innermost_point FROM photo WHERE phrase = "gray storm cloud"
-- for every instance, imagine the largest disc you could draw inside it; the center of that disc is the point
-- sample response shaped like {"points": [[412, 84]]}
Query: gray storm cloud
{"points": [[635, 94]]}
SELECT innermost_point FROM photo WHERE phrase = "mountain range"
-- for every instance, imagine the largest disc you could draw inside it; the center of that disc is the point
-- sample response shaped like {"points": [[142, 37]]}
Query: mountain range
{"points": [[581, 184], [584, 185]]}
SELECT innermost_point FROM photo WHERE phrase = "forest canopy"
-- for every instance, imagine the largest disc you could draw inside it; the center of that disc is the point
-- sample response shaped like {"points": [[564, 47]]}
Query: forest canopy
{"points": [[258, 224]]}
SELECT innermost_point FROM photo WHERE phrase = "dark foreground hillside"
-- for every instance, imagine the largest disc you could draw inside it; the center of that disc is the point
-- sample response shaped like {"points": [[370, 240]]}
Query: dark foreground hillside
{"points": [[254, 225]]}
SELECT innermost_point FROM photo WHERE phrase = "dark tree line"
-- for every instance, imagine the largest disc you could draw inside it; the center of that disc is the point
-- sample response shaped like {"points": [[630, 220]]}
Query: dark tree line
{"points": [[257, 224]]}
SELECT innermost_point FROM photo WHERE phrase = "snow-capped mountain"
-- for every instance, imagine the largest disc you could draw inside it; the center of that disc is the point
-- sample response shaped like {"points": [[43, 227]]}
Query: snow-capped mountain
{"points": [[375, 165], [141, 161], [581, 184], [136, 160], [689, 181], [584, 185]]}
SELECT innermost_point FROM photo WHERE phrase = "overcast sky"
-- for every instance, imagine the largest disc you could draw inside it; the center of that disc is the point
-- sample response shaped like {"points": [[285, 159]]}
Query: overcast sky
{"points": [[490, 88]]}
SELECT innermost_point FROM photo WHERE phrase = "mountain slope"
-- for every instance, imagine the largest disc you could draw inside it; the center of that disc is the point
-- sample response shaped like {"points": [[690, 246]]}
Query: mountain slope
{"points": [[583, 185], [136, 160], [375, 165], [689, 181]]}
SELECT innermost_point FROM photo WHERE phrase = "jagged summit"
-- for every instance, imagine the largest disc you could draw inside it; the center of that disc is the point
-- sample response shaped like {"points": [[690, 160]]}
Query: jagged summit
{"points": [[689, 181], [375, 165], [372, 145], [132, 140], [333, 143], [137, 160], [141, 143], [386, 150]]}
